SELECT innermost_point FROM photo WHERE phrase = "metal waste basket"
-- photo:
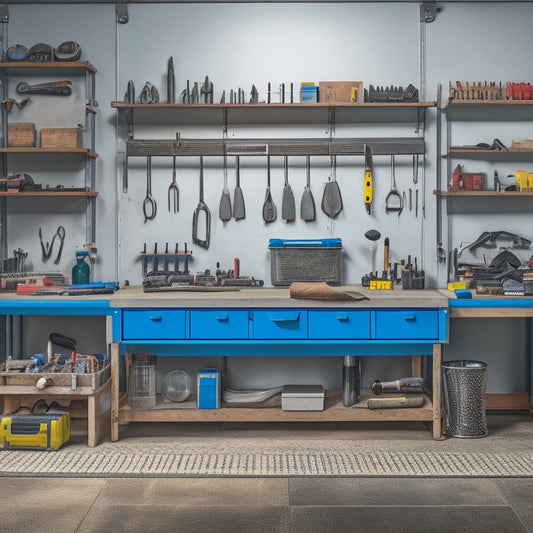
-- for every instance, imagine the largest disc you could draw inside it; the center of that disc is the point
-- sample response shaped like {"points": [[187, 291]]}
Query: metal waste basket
{"points": [[464, 387]]}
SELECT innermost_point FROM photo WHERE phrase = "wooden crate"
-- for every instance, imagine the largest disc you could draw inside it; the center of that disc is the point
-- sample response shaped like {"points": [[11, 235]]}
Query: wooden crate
{"points": [[335, 92], [87, 382], [61, 138], [21, 134]]}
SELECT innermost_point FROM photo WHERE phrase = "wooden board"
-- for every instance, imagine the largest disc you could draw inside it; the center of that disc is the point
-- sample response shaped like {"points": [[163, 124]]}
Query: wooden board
{"points": [[334, 411]]}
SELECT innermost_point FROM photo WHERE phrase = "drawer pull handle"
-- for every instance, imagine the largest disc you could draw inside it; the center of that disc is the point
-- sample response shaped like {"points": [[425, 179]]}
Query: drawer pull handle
{"points": [[342, 318], [222, 318], [409, 317], [155, 317]]}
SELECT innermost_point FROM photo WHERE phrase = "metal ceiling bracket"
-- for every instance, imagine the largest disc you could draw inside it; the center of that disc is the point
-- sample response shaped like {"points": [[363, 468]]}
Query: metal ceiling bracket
{"points": [[428, 11], [4, 14], [122, 13]]}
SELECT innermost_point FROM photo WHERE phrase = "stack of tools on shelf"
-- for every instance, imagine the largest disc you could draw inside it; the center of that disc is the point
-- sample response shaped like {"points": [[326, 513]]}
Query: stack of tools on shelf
{"points": [[518, 91], [163, 279], [391, 94], [410, 389], [166, 270], [476, 91], [412, 277], [504, 275], [42, 52], [400, 272]]}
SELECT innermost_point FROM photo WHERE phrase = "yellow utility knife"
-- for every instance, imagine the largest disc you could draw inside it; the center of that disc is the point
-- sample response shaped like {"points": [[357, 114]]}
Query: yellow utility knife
{"points": [[368, 178]]}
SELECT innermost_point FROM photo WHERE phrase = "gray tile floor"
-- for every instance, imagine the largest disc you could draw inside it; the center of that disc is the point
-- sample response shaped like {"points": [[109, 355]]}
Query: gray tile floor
{"points": [[288, 504], [247, 505]]}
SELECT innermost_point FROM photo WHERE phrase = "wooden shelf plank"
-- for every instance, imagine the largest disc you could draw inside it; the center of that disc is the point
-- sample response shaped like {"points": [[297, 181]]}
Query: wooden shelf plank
{"points": [[304, 105], [500, 194], [38, 150], [453, 103], [334, 411], [47, 65], [90, 194]]}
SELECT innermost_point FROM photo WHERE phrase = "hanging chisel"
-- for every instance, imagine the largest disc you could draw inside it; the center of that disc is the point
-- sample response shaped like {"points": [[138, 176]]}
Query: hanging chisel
{"points": [[368, 178]]}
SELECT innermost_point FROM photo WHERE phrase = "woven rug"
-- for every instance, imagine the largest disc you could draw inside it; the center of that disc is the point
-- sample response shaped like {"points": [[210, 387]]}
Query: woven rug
{"points": [[89, 463]]}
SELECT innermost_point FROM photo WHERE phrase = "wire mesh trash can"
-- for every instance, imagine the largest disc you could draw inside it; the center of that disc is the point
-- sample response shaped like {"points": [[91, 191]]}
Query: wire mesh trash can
{"points": [[464, 388]]}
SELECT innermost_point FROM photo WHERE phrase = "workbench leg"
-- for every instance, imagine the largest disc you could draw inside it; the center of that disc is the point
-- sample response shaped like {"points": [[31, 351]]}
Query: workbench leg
{"points": [[437, 411], [416, 366], [93, 410], [114, 391]]}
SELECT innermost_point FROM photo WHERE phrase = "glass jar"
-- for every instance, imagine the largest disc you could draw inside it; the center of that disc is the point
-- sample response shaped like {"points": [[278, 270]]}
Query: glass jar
{"points": [[141, 393]]}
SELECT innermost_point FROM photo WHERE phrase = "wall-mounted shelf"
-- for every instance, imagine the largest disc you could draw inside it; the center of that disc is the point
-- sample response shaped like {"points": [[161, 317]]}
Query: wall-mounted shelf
{"points": [[304, 105], [38, 150], [89, 194], [48, 66], [501, 194]]}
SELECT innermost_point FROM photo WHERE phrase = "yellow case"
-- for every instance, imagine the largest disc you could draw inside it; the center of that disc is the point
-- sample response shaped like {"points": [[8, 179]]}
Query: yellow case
{"points": [[44, 431]]}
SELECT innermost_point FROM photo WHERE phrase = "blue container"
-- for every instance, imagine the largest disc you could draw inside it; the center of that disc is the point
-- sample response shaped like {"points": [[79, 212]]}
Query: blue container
{"points": [[209, 388], [81, 270]]}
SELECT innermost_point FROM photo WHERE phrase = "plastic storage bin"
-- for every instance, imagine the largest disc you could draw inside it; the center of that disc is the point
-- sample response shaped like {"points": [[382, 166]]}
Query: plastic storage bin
{"points": [[312, 260], [464, 388]]}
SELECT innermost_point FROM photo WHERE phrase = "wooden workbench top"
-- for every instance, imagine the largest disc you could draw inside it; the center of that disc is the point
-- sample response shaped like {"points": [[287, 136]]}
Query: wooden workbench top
{"points": [[253, 297]]}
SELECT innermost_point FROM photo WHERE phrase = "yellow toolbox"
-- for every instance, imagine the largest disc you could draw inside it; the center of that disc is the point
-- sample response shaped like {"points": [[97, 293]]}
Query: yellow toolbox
{"points": [[37, 431]]}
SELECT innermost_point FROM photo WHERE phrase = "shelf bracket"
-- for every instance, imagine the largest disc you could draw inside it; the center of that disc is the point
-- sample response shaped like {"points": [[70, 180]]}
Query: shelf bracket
{"points": [[4, 14], [428, 11], [122, 12]]}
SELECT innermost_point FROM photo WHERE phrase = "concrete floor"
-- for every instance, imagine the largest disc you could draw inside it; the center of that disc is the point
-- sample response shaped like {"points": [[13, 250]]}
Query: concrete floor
{"points": [[288, 504]]}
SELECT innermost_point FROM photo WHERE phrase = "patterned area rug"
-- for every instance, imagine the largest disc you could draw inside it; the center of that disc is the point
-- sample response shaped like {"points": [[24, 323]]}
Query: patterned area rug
{"points": [[91, 462]]}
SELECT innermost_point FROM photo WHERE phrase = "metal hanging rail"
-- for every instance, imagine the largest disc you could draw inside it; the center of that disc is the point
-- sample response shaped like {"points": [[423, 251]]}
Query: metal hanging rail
{"points": [[275, 147]]}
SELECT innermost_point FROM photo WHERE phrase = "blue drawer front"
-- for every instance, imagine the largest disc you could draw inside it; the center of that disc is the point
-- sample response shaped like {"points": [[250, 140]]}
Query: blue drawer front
{"points": [[154, 324], [339, 324], [407, 324], [221, 324], [280, 324]]}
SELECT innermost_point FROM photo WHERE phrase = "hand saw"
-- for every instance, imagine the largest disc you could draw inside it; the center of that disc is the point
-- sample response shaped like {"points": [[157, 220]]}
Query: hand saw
{"points": [[368, 178]]}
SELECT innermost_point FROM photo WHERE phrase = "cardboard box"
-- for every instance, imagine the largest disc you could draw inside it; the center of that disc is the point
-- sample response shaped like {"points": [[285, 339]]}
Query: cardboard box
{"points": [[61, 138], [341, 92], [21, 134]]}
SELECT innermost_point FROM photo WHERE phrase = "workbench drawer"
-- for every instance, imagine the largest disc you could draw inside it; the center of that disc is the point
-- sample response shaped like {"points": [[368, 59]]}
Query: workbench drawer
{"points": [[154, 324], [280, 324], [219, 324], [339, 324], [407, 324]]}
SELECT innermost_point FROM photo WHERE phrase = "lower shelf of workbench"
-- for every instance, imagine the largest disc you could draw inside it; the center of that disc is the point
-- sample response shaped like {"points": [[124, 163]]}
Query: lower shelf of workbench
{"points": [[334, 411]]}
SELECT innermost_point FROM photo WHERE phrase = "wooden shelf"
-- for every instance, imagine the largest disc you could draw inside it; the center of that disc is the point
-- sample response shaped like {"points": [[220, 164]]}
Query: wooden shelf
{"points": [[22, 194], [334, 411], [483, 193], [127, 105], [37, 150], [453, 103], [63, 66]]}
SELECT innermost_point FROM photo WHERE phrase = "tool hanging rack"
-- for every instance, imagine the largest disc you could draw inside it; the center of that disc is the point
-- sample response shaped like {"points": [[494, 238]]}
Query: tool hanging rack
{"points": [[274, 147]]}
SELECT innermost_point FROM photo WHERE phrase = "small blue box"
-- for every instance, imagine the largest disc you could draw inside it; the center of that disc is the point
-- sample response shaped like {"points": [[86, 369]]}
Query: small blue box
{"points": [[209, 388]]}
